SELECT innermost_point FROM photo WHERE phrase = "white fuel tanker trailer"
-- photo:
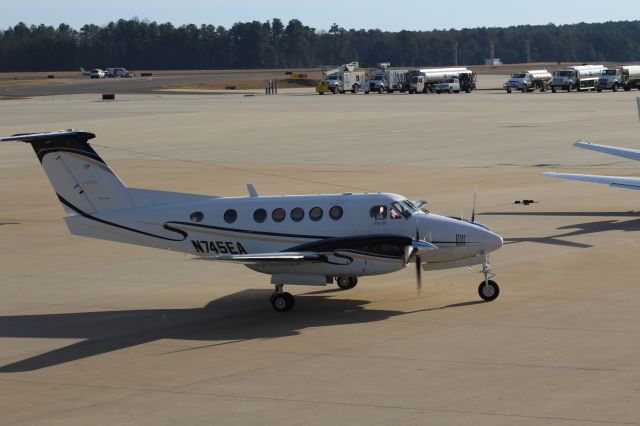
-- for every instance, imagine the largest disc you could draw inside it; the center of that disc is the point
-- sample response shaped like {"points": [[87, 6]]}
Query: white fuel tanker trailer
{"points": [[579, 77], [529, 81], [424, 80], [626, 77]]}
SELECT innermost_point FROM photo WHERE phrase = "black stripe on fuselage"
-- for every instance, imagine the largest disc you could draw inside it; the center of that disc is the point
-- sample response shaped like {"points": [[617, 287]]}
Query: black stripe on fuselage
{"points": [[116, 225], [248, 231]]}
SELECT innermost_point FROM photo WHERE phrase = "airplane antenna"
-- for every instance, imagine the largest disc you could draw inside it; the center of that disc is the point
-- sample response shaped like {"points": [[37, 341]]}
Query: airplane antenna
{"points": [[252, 190]]}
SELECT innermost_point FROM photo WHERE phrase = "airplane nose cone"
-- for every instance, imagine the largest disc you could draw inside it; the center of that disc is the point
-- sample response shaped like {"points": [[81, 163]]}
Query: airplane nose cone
{"points": [[491, 241]]}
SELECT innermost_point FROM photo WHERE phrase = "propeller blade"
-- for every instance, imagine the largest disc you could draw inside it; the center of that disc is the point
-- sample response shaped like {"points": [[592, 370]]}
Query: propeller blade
{"points": [[419, 273], [475, 197]]}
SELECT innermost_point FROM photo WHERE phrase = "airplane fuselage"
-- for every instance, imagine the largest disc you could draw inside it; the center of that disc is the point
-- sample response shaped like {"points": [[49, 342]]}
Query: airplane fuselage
{"points": [[246, 225]]}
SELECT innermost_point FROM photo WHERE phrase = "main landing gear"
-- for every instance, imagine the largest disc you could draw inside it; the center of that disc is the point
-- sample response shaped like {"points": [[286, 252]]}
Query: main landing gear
{"points": [[346, 283], [488, 289], [281, 300]]}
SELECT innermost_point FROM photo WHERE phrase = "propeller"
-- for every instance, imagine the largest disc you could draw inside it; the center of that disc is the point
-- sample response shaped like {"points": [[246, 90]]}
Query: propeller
{"points": [[417, 246]]}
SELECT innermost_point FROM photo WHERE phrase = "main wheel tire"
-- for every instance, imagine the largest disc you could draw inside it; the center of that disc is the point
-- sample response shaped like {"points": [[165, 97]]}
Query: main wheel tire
{"points": [[346, 283], [488, 292], [282, 302]]}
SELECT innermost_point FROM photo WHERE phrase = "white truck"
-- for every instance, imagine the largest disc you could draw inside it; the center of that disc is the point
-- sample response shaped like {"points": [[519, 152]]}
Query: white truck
{"points": [[424, 80], [528, 81], [345, 78], [579, 77], [626, 77], [386, 80]]}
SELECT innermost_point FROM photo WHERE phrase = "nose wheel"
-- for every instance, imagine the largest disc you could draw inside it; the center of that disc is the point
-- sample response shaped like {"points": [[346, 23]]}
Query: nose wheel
{"points": [[488, 289], [281, 300]]}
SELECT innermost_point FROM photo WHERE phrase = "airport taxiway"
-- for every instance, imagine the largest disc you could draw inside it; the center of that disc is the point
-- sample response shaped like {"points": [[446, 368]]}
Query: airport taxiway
{"points": [[94, 332]]}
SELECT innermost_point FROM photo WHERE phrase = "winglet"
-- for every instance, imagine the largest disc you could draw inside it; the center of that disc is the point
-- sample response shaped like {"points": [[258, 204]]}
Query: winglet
{"points": [[252, 190]]}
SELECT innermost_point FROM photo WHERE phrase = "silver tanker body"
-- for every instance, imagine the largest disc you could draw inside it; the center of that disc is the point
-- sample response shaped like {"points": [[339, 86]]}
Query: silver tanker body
{"points": [[626, 77], [529, 81], [579, 77], [424, 80]]}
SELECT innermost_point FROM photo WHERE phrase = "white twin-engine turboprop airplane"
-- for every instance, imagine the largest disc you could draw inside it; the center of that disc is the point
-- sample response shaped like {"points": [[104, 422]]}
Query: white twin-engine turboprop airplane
{"points": [[305, 239]]}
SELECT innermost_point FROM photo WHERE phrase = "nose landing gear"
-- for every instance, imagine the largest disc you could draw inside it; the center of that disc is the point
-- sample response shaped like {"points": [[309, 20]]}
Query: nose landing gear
{"points": [[488, 289]]}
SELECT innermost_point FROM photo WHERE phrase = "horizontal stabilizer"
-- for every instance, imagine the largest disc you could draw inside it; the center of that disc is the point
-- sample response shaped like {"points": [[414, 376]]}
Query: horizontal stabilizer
{"points": [[615, 181], [71, 134]]}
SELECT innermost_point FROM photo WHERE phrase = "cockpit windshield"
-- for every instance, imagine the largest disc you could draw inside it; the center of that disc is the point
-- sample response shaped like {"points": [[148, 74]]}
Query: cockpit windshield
{"points": [[404, 208]]}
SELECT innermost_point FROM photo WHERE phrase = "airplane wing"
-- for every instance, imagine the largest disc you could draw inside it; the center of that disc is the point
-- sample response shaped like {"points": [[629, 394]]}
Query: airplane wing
{"points": [[631, 154], [615, 181], [280, 257]]}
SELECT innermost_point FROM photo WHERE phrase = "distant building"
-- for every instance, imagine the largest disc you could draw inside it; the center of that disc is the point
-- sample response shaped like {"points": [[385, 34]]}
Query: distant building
{"points": [[493, 61]]}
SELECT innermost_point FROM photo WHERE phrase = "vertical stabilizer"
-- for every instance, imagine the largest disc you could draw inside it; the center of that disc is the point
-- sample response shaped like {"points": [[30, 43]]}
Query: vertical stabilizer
{"points": [[83, 182]]}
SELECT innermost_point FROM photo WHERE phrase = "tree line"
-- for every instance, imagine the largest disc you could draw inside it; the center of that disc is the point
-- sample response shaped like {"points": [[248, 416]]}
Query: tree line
{"points": [[137, 44]]}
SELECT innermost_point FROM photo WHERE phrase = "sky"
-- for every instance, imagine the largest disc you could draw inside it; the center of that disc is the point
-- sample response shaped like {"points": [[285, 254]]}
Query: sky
{"points": [[385, 15]]}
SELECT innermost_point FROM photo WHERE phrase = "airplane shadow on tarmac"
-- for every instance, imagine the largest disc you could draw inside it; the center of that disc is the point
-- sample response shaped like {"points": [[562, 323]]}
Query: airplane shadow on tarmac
{"points": [[577, 229], [220, 322]]}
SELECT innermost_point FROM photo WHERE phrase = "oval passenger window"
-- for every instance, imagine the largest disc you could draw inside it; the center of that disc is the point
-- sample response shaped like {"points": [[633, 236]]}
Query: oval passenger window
{"points": [[230, 216], [315, 214], [297, 214], [260, 215], [278, 215], [197, 216], [336, 212]]}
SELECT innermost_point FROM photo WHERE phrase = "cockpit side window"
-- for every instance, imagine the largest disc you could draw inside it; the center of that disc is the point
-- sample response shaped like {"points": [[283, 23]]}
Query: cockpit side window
{"points": [[397, 211], [378, 212]]}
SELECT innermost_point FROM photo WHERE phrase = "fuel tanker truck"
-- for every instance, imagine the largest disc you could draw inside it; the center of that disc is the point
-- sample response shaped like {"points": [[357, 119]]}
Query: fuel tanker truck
{"points": [[579, 77], [424, 80], [529, 81], [626, 77]]}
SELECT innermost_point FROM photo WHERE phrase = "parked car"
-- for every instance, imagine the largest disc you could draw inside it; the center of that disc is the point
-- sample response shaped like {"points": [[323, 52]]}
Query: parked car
{"points": [[97, 73], [117, 72], [450, 85]]}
